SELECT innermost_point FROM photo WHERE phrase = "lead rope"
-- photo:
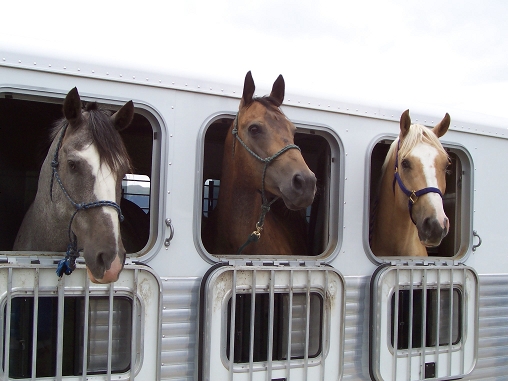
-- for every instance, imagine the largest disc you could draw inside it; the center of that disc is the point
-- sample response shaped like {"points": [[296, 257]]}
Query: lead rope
{"points": [[68, 264], [265, 206]]}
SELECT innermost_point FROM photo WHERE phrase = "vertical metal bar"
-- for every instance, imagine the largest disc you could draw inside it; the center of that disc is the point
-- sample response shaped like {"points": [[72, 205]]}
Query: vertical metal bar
{"points": [[462, 312], [395, 326], [411, 319], [450, 326], [252, 319], [438, 321], [134, 349], [110, 330], [325, 329], [8, 325], [270, 326], [424, 321], [232, 327], [60, 328], [307, 326], [86, 314], [35, 322], [290, 326]]}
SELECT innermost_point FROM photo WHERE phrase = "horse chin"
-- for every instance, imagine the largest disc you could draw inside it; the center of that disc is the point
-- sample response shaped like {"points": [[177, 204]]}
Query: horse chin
{"points": [[107, 278], [291, 206]]}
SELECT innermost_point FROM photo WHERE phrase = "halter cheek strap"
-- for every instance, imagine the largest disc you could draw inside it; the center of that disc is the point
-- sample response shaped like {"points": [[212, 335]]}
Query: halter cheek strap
{"points": [[68, 264], [265, 207], [412, 195]]}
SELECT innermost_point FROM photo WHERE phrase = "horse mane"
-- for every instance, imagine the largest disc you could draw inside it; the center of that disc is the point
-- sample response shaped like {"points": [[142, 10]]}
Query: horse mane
{"points": [[107, 140], [269, 102], [417, 134]]}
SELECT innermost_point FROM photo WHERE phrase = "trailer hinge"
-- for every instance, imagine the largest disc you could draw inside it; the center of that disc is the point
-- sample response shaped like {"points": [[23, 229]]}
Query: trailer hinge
{"points": [[271, 262], [424, 262]]}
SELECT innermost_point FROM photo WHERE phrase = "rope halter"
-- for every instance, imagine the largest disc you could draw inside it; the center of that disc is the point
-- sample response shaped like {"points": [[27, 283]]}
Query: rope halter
{"points": [[68, 264], [265, 206]]}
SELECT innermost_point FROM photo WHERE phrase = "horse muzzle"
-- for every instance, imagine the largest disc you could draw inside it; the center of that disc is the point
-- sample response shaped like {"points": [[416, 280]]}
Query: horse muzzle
{"points": [[102, 272], [300, 192], [431, 231]]}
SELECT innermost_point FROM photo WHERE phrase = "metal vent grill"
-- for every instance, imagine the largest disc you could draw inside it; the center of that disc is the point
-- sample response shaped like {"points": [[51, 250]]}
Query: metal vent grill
{"points": [[424, 321], [273, 322], [71, 327]]}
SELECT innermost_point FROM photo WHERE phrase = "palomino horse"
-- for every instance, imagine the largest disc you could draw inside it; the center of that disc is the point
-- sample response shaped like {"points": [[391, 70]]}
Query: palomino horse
{"points": [[260, 165], [79, 190], [410, 215]]}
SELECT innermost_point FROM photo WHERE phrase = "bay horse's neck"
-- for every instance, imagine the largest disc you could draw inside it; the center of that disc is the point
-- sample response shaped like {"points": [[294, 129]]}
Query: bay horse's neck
{"points": [[394, 233], [239, 209]]}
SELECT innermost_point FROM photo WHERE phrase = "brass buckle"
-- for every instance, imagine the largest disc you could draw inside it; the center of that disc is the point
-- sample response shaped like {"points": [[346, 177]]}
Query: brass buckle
{"points": [[258, 230], [413, 197]]}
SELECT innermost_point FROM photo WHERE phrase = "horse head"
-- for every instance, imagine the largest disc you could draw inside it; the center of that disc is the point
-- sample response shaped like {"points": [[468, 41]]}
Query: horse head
{"points": [[268, 137], [90, 162], [420, 171]]}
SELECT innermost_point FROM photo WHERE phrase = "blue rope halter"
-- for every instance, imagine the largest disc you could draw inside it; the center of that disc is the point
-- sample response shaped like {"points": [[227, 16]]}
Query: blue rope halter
{"points": [[265, 206], [68, 264], [413, 195]]}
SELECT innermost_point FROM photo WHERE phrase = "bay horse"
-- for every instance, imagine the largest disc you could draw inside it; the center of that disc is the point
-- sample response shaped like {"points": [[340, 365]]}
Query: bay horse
{"points": [[409, 214], [261, 164], [78, 195]]}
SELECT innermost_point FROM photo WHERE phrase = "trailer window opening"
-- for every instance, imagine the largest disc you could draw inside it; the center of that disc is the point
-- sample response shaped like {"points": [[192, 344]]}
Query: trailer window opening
{"points": [[280, 325], [427, 319], [25, 124], [455, 243], [318, 154], [22, 335]]}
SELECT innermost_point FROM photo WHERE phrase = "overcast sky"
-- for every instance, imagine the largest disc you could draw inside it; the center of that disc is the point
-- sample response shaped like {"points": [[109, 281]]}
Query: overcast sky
{"points": [[452, 54]]}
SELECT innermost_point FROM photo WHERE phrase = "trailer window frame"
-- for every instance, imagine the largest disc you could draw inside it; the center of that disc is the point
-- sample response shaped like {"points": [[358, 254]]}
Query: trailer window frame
{"points": [[332, 194], [458, 243], [145, 161]]}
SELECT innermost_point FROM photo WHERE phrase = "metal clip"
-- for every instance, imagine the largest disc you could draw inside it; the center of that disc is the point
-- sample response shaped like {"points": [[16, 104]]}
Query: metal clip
{"points": [[413, 197]]}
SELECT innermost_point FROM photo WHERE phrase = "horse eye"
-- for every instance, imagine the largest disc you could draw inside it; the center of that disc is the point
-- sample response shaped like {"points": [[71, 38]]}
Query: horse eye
{"points": [[72, 165], [405, 164], [254, 130]]}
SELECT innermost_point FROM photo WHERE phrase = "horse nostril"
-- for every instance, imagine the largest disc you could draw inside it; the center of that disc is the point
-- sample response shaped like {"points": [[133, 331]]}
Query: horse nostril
{"points": [[298, 182], [100, 261]]}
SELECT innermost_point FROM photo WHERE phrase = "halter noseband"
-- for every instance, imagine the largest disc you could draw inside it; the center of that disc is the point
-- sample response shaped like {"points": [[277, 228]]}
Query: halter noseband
{"points": [[68, 264], [413, 195], [265, 206]]}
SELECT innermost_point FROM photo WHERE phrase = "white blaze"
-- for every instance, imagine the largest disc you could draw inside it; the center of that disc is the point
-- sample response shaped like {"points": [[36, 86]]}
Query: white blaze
{"points": [[104, 186], [427, 155]]}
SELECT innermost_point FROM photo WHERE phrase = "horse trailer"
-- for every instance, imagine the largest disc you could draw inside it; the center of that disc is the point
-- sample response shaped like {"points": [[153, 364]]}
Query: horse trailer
{"points": [[180, 312]]}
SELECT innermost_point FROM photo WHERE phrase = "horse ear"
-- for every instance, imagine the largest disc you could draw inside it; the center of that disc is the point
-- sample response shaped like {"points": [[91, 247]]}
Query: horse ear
{"points": [[278, 90], [405, 123], [441, 128], [72, 106], [248, 90], [123, 117]]}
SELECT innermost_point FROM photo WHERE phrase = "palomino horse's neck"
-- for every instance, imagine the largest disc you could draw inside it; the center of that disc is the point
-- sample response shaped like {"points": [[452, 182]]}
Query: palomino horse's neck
{"points": [[394, 233]]}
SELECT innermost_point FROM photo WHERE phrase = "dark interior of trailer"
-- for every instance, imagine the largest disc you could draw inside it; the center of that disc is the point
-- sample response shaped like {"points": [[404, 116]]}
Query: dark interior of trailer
{"points": [[25, 123]]}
